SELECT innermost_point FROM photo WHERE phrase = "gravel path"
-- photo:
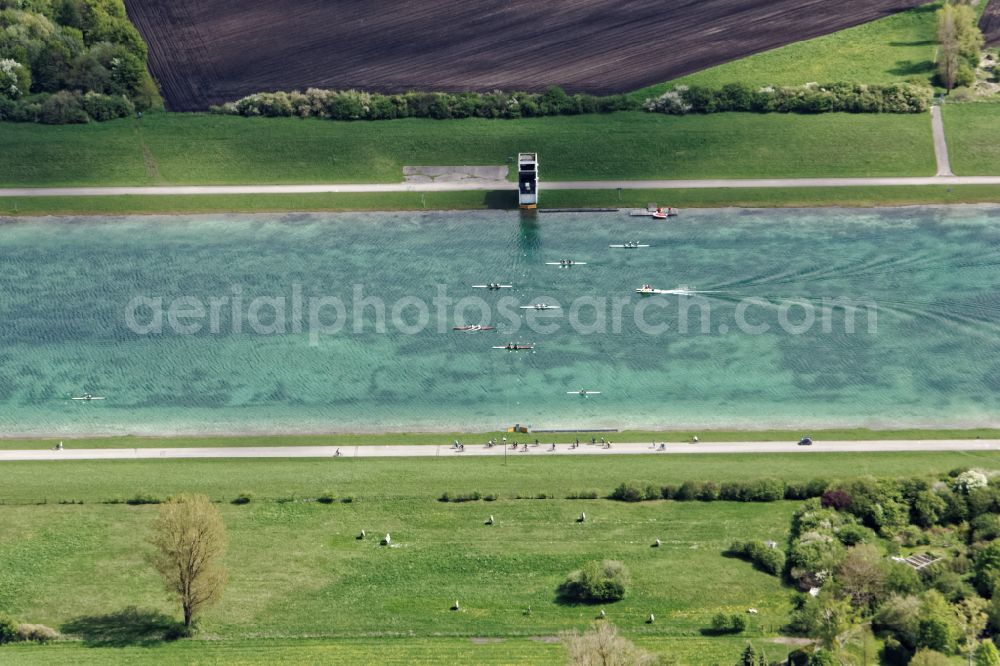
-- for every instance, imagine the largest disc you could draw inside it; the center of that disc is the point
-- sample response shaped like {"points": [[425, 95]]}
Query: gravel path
{"points": [[478, 450]]}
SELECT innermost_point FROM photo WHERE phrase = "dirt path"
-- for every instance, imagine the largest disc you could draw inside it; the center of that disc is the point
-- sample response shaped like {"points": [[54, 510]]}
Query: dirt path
{"points": [[940, 143], [479, 450]]}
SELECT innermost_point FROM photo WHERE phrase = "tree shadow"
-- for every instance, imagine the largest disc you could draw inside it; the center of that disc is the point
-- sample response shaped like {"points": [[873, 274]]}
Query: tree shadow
{"points": [[919, 42], [912, 68], [130, 626]]}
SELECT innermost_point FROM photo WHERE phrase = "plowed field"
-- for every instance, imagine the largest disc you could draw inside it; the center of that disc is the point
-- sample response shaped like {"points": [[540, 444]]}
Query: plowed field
{"points": [[209, 51]]}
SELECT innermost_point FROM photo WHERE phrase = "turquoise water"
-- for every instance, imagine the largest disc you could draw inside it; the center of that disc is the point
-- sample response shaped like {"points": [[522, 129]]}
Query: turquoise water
{"points": [[932, 359]]}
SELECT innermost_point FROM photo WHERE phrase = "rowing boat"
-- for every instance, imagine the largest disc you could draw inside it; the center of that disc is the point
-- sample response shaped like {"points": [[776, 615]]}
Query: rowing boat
{"points": [[514, 347], [583, 393], [562, 263], [472, 328], [628, 247], [486, 286], [87, 396], [540, 306]]}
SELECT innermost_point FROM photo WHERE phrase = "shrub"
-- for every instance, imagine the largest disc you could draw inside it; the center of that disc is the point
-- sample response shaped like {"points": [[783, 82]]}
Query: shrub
{"points": [[142, 499], [811, 98], [62, 108], [596, 582], [929, 658], [806, 490], [728, 624], [627, 492], [836, 499], [106, 107], [361, 105], [326, 498], [8, 630], [969, 481], [582, 494], [768, 560], [38, 633], [852, 534], [464, 497], [759, 490], [668, 492], [243, 498]]}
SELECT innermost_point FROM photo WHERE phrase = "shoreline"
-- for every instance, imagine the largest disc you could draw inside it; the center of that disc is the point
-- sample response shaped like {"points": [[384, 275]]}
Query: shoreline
{"points": [[720, 197], [8, 442]]}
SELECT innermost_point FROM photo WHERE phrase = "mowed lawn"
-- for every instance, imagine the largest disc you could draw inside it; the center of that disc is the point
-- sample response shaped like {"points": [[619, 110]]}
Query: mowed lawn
{"points": [[369, 479], [896, 48], [206, 149], [973, 132]]}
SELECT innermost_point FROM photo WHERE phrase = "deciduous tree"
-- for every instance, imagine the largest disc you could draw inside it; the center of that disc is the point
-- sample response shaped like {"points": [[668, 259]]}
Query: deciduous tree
{"points": [[190, 540]]}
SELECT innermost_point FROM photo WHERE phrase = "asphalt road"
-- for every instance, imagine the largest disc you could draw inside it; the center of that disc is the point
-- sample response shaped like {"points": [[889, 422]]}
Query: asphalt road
{"points": [[488, 185], [479, 450]]}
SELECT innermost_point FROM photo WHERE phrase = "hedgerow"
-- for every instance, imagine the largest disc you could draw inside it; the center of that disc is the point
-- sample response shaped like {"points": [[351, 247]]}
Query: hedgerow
{"points": [[810, 98]]}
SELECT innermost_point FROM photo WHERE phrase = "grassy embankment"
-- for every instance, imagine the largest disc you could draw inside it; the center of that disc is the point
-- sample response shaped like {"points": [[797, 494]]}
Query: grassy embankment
{"points": [[475, 438], [198, 149], [302, 587], [203, 149], [973, 131]]}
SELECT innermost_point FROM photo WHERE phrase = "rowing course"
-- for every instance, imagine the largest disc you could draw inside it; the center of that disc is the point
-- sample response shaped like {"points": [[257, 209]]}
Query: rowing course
{"points": [[480, 451], [355, 188]]}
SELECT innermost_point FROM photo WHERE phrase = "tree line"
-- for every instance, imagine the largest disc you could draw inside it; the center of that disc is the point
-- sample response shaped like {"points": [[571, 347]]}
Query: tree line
{"points": [[71, 61]]}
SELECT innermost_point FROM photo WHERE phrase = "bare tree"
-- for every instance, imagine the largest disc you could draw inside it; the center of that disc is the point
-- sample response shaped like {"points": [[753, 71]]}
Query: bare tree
{"points": [[948, 52], [190, 538], [602, 646]]}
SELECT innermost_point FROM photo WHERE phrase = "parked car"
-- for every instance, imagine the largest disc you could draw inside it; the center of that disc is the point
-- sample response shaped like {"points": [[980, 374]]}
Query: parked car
{"points": [[805, 441]]}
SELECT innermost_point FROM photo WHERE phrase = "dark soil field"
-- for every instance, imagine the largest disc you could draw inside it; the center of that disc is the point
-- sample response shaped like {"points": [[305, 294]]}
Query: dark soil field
{"points": [[209, 51], [990, 23]]}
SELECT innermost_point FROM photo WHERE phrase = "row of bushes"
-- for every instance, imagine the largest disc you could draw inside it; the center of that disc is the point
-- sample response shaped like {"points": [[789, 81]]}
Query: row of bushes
{"points": [[242, 498], [65, 108], [767, 559], [810, 98], [757, 490], [474, 496], [360, 105]]}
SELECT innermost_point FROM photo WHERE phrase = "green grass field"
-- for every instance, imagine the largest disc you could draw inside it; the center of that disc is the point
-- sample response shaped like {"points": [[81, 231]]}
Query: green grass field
{"points": [[445, 438], [973, 131], [205, 149], [369, 479], [792, 197], [895, 48], [302, 588]]}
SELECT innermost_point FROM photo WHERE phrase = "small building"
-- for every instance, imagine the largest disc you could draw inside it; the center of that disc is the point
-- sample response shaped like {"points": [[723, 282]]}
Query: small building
{"points": [[527, 180]]}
